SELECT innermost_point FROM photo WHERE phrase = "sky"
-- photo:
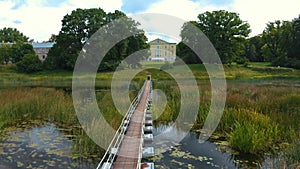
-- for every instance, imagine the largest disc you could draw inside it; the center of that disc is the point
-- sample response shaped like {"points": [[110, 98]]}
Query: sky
{"points": [[38, 19]]}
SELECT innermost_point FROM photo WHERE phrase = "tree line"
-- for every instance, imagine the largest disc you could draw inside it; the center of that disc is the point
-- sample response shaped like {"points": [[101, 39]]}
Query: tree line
{"points": [[279, 43]]}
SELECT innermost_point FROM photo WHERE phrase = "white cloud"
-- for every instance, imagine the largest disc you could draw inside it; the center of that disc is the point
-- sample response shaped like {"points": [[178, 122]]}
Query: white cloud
{"points": [[162, 26], [260, 12], [256, 12], [39, 22], [35, 21], [111, 6], [184, 9], [106, 5]]}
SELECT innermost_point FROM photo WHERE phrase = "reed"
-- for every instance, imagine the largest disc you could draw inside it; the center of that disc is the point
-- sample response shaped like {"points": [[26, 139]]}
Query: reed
{"points": [[256, 119], [253, 132], [48, 105]]}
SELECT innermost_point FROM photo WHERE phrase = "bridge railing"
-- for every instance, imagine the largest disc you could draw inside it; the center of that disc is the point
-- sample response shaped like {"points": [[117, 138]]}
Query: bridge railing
{"points": [[113, 148]]}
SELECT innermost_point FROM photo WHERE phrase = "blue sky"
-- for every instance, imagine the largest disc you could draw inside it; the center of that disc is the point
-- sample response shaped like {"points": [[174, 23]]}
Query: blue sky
{"points": [[38, 19], [18, 4], [134, 6], [53, 3], [214, 2]]}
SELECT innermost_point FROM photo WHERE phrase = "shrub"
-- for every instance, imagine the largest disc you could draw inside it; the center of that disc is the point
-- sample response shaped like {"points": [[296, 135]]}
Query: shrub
{"points": [[293, 63], [241, 61], [30, 63]]}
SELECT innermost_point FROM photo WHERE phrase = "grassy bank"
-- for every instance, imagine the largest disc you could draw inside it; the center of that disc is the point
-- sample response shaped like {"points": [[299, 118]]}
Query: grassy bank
{"points": [[54, 106], [257, 118]]}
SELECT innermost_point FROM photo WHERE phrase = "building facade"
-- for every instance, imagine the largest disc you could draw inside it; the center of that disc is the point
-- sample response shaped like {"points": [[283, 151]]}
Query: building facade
{"points": [[162, 51], [42, 49]]}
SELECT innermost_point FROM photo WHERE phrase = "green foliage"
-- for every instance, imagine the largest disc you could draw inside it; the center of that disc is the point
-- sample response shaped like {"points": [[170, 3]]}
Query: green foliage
{"points": [[77, 27], [5, 53], [1, 56], [225, 30], [19, 50], [186, 54], [277, 37], [80, 25], [30, 63], [136, 43], [294, 50], [11, 35], [14, 52], [282, 40], [253, 50], [241, 60]]}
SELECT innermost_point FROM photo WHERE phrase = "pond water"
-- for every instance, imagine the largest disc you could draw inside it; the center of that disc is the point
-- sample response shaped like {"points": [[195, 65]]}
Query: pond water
{"points": [[44, 146], [190, 153], [47, 146]]}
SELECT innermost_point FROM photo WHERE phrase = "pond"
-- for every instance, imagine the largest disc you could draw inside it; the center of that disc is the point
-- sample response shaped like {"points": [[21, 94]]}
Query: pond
{"points": [[215, 153], [48, 146], [39, 146], [34, 145]]}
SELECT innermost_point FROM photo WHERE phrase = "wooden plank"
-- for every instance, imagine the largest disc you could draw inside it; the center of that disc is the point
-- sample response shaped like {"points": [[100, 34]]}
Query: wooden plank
{"points": [[129, 150]]}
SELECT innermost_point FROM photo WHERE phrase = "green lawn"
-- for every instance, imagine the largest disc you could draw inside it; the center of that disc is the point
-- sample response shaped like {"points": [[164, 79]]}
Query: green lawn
{"points": [[60, 78], [259, 63]]}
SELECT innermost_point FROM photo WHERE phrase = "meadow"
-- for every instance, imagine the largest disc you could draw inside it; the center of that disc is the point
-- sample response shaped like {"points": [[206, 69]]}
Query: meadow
{"points": [[261, 113]]}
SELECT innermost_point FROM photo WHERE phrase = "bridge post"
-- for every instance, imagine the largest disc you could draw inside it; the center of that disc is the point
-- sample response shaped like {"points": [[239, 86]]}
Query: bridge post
{"points": [[148, 77]]}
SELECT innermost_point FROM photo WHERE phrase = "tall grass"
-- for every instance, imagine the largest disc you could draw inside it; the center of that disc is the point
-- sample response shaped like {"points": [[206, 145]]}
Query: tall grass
{"points": [[253, 132], [256, 119], [294, 154], [53, 106], [253, 114]]}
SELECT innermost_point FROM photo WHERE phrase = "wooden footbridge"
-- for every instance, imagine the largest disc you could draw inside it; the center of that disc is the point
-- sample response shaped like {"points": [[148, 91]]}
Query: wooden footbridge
{"points": [[128, 149]]}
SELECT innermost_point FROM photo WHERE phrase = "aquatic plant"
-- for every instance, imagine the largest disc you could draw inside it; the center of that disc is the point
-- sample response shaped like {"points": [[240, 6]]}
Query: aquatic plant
{"points": [[45, 104]]}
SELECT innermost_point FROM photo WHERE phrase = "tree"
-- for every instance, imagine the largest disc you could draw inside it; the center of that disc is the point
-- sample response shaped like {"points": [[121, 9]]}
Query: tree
{"points": [[226, 31], [294, 50], [253, 49], [1, 57], [52, 38], [11, 35], [126, 46], [30, 63], [277, 37], [186, 54], [5, 53], [15, 52], [78, 27], [19, 50], [136, 43]]}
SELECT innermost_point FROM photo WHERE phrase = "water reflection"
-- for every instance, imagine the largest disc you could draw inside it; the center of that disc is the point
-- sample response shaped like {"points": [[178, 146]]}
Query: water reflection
{"points": [[190, 153], [39, 147]]}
